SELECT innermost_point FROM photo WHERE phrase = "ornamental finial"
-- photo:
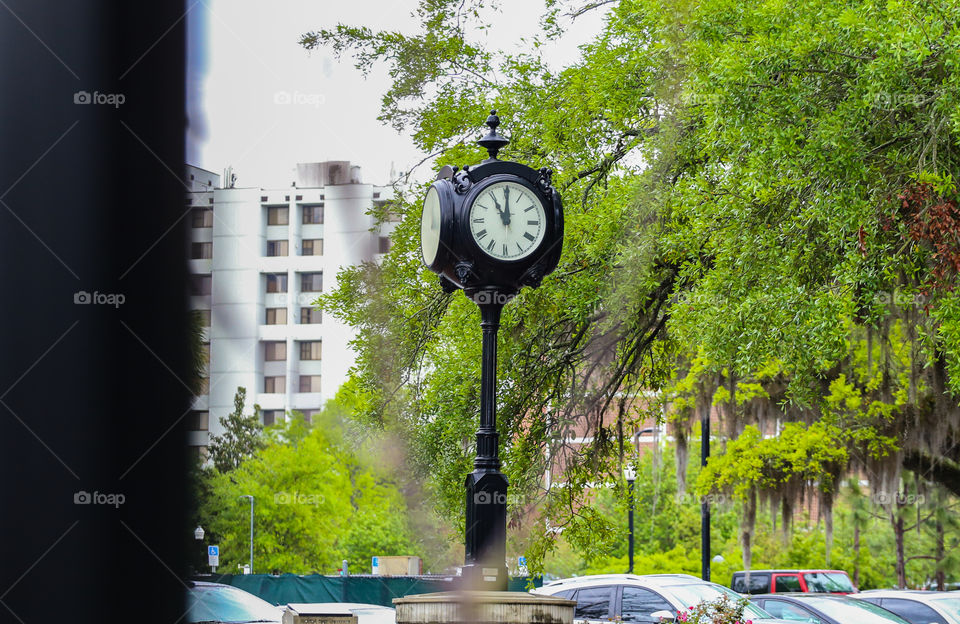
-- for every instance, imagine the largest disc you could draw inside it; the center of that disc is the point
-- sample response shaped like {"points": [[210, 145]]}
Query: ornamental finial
{"points": [[493, 142]]}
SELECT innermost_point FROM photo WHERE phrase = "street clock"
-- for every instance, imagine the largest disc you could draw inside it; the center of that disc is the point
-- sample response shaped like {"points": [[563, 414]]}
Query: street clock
{"points": [[490, 229], [495, 226]]}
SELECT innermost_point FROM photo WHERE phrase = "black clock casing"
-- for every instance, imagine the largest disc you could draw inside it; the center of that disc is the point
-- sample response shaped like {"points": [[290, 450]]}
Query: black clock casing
{"points": [[462, 263]]}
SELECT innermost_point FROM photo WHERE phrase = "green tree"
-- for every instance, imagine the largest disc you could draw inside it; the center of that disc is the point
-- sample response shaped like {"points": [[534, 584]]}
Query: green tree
{"points": [[241, 439], [317, 502], [759, 186]]}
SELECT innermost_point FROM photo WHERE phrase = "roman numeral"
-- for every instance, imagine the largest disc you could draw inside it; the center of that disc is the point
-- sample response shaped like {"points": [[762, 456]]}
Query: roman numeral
{"points": [[504, 249], [533, 223], [479, 220], [528, 236], [528, 208], [520, 247], [481, 234], [490, 246]]}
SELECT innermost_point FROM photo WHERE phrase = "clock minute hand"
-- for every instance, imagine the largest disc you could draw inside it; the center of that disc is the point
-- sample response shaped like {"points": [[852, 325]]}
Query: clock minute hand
{"points": [[506, 205]]}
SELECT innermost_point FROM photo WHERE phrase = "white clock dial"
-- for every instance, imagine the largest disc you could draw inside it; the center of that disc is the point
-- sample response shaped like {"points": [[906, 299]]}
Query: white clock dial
{"points": [[507, 221], [430, 226]]}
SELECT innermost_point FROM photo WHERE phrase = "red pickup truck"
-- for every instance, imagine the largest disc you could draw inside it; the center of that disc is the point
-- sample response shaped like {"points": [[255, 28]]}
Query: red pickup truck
{"points": [[774, 581]]}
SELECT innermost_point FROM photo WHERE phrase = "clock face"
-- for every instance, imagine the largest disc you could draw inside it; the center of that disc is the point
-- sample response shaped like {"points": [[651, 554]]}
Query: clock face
{"points": [[507, 221], [430, 226]]}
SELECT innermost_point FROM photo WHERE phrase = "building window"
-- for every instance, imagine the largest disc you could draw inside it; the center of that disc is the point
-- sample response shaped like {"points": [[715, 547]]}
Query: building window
{"points": [[275, 385], [383, 244], [394, 217], [310, 350], [313, 214], [203, 317], [277, 248], [275, 351], [202, 217], [276, 282], [309, 414], [299, 197], [278, 215], [263, 198], [198, 421], [272, 417], [309, 316], [201, 251], [311, 282], [312, 247], [276, 316], [200, 285], [309, 383]]}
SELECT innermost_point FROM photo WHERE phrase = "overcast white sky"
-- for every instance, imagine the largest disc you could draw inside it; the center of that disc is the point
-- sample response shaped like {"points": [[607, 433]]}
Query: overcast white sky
{"points": [[261, 103]]}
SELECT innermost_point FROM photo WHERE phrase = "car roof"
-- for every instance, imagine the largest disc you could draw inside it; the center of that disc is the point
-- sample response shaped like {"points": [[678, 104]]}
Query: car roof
{"points": [[903, 593], [210, 585], [804, 596], [619, 578], [793, 571]]}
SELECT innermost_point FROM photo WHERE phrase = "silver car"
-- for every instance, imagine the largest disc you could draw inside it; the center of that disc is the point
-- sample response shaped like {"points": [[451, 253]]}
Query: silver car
{"points": [[918, 607], [645, 598]]}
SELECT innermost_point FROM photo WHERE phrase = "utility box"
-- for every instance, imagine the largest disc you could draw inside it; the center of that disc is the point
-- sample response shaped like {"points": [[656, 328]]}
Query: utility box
{"points": [[398, 566], [299, 613]]}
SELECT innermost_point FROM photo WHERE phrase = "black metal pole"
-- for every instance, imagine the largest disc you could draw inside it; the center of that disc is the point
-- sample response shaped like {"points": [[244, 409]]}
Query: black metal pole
{"points": [[488, 440], [486, 487], [704, 503], [630, 516]]}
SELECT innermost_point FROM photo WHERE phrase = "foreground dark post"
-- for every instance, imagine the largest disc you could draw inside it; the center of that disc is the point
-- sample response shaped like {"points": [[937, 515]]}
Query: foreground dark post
{"points": [[704, 504]]}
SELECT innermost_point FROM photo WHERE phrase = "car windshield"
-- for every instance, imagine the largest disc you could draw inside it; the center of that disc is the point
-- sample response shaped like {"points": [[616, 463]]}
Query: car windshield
{"points": [[852, 610], [223, 603], [692, 594], [951, 605], [826, 582]]}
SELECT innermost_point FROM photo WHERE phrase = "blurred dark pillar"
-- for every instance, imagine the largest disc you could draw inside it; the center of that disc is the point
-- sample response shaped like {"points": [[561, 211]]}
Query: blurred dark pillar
{"points": [[92, 395]]}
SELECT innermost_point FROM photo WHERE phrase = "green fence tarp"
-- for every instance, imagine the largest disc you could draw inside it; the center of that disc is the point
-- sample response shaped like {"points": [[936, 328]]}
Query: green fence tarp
{"points": [[286, 588]]}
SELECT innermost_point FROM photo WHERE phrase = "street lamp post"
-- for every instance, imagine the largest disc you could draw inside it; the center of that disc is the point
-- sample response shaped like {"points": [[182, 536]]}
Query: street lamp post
{"points": [[630, 475], [198, 534], [251, 529], [704, 503]]}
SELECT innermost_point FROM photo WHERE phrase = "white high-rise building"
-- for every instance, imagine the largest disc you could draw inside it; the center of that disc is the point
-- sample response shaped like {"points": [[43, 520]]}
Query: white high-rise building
{"points": [[258, 259]]}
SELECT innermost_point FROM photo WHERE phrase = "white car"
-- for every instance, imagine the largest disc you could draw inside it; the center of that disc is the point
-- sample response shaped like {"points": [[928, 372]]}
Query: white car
{"points": [[645, 598], [925, 607]]}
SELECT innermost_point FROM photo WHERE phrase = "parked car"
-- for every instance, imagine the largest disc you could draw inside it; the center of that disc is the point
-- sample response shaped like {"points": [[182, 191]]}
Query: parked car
{"points": [[217, 603], [825, 609], [640, 598], [807, 581], [918, 607], [366, 613]]}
